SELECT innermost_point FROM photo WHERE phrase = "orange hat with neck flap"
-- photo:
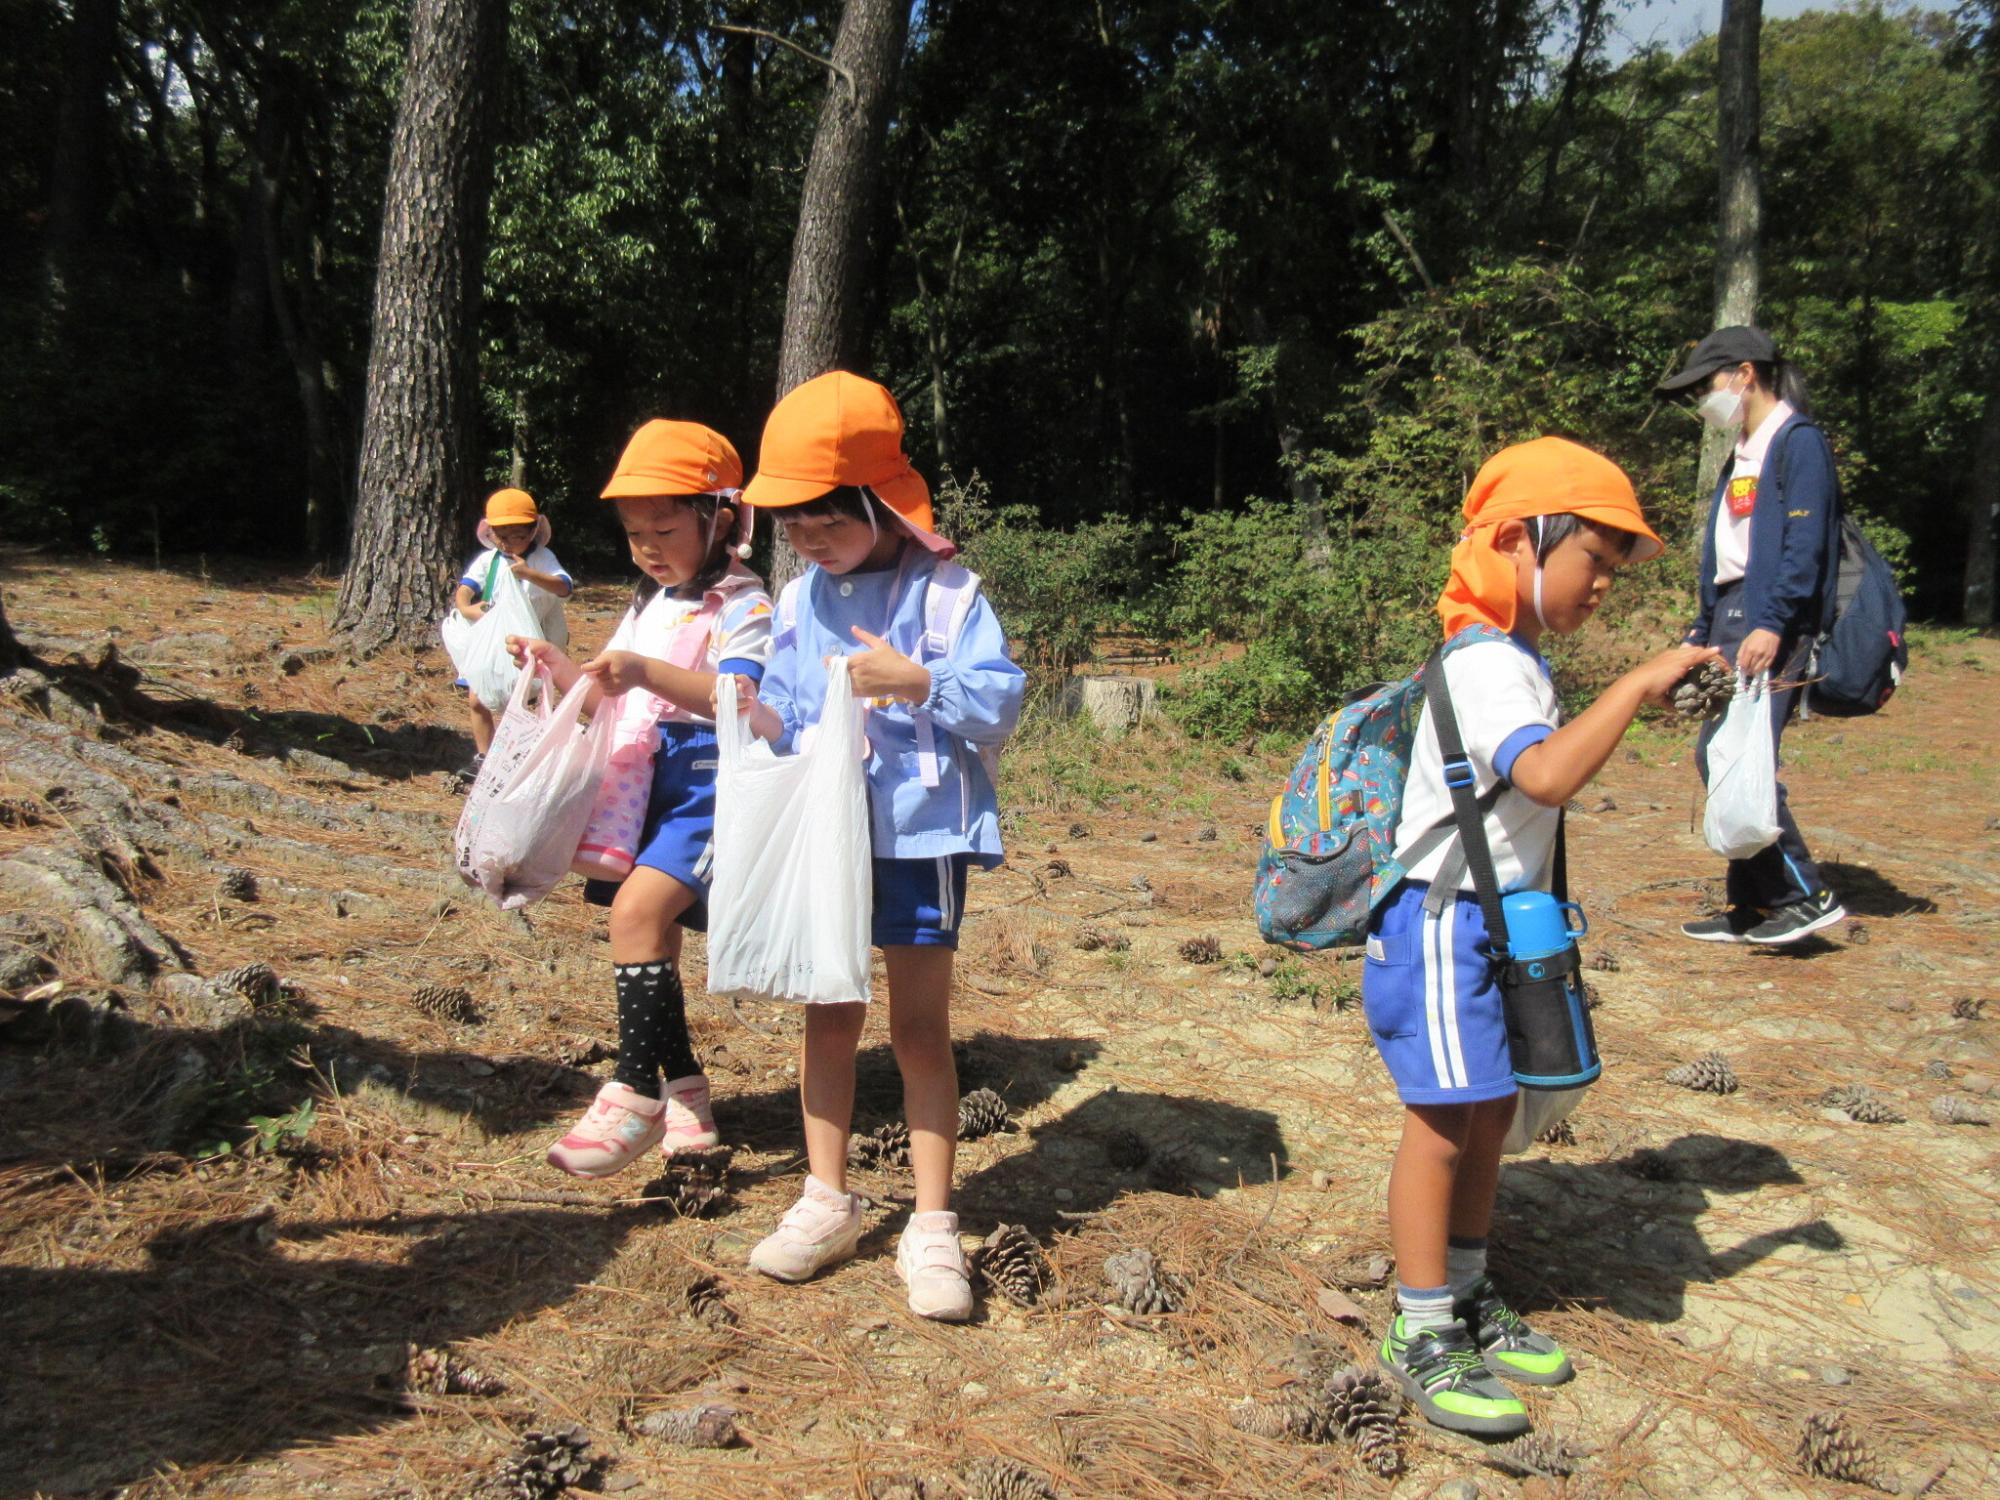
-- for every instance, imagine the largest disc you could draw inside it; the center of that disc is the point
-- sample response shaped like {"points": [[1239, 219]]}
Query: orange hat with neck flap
{"points": [[1550, 476]]}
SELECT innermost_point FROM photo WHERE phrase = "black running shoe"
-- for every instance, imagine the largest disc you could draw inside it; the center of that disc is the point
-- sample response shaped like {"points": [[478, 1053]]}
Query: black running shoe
{"points": [[1732, 926], [1800, 919]]}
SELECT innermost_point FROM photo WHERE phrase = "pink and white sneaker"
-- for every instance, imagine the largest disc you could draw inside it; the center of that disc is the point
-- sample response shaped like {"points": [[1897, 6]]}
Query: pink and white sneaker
{"points": [[621, 1124], [931, 1262], [690, 1120], [822, 1229]]}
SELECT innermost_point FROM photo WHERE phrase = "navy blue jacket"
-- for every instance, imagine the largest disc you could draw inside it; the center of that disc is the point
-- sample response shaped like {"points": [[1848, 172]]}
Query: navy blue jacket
{"points": [[1788, 584]]}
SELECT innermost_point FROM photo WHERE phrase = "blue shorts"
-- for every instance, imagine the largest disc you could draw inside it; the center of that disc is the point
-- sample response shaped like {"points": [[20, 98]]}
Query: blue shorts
{"points": [[919, 902], [679, 830], [1432, 1002]]}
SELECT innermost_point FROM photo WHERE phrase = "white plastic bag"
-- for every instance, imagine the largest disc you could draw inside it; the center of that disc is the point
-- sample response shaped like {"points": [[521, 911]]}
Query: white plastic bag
{"points": [[1742, 815], [1535, 1110], [478, 648], [792, 900], [526, 812]]}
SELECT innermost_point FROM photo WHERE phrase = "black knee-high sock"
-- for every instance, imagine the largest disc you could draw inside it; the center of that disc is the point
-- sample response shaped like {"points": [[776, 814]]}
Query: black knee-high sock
{"points": [[652, 1025]]}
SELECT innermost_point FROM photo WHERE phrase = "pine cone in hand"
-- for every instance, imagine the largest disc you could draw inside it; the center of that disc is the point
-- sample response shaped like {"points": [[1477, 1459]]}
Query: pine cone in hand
{"points": [[1708, 1074], [1141, 1284], [447, 1002], [981, 1112], [1705, 691], [1010, 1260]]}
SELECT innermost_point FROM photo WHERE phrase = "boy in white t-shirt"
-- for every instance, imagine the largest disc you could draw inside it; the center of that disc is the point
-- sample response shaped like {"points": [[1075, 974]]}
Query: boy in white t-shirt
{"points": [[1547, 523], [515, 536]]}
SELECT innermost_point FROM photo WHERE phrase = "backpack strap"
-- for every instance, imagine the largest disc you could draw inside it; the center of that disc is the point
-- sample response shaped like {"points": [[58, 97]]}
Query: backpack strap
{"points": [[492, 572], [1461, 780], [949, 594]]}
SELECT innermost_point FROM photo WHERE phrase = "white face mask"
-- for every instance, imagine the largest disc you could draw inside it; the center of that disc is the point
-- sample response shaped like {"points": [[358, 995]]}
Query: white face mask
{"points": [[1723, 409]]}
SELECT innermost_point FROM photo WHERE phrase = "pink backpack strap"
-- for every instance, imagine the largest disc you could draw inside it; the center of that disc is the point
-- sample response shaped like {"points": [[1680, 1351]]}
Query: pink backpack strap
{"points": [[690, 647], [948, 598]]}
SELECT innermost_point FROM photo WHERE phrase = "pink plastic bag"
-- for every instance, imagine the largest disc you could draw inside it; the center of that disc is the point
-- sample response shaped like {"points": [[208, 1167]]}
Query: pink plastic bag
{"points": [[526, 812]]}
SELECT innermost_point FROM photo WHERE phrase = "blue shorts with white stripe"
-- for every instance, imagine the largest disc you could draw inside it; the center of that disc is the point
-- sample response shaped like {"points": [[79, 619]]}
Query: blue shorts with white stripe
{"points": [[919, 902], [1432, 1004]]}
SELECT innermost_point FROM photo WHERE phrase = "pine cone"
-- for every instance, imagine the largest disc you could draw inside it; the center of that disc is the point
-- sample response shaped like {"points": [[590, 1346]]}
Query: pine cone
{"points": [[707, 1303], [234, 883], [1010, 1260], [1079, 830], [1705, 691], [1708, 1074], [1605, 961], [1003, 1479], [1362, 1405], [903, 1487], [547, 1464], [1125, 1149], [1956, 1109], [439, 1372], [1831, 1449], [1058, 869], [447, 1002], [1966, 1008], [693, 1182], [981, 1112], [1548, 1454], [710, 1425], [1298, 1417], [1861, 1104], [256, 982], [1141, 1285], [1937, 1070], [1208, 835], [885, 1146], [1093, 938], [1562, 1133], [1202, 950]]}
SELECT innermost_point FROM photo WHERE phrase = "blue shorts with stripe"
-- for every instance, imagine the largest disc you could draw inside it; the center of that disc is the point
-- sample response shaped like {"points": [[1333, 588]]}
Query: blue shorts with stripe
{"points": [[919, 902], [1432, 1003]]}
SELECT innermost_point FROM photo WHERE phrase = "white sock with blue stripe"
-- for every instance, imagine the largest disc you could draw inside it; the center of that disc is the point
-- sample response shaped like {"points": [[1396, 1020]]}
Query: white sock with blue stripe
{"points": [[1423, 1308]]}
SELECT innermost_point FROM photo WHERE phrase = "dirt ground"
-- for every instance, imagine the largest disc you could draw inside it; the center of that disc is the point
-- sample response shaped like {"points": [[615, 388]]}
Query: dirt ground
{"points": [[1720, 1266]]}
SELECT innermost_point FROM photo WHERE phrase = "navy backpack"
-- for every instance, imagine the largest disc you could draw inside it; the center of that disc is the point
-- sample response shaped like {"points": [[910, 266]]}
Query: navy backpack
{"points": [[1855, 666]]}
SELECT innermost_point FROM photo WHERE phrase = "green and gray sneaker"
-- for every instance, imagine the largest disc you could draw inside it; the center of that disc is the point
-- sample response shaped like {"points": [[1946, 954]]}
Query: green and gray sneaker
{"points": [[1510, 1346], [1440, 1370]]}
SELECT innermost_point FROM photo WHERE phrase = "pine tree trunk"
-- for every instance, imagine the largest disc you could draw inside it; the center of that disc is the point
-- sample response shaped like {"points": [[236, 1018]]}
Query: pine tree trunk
{"points": [[419, 470], [10, 648], [823, 297], [1982, 552], [76, 180], [1739, 217]]}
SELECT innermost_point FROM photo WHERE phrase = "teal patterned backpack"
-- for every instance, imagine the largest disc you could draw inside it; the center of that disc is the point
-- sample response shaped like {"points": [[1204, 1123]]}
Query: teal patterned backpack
{"points": [[1330, 848]]}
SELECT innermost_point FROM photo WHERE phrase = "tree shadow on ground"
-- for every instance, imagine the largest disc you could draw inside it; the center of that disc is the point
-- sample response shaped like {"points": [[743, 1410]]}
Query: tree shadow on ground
{"points": [[229, 1343], [1623, 1235], [1866, 892]]}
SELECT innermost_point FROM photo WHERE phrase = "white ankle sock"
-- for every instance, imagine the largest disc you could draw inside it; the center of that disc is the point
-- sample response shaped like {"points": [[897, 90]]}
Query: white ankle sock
{"points": [[1423, 1307], [1464, 1263]]}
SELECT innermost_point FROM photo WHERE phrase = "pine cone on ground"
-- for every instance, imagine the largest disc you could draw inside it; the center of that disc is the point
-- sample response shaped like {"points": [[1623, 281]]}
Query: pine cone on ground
{"points": [[902, 1487], [1141, 1284], [707, 1303], [1362, 1405], [1705, 691], [1090, 939], [1126, 1150], [1937, 1070], [693, 1182], [1549, 1454], [234, 883], [1956, 1109], [1708, 1074], [1605, 961], [1298, 1417], [1010, 1261], [1561, 1133], [1202, 950], [256, 982], [447, 1002], [1967, 1008], [1058, 869], [710, 1425], [980, 1113], [1079, 830], [1831, 1449], [887, 1145], [546, 1464], [439, 1372], [1208, 835], [1003, 1479], [1861, 1104]]}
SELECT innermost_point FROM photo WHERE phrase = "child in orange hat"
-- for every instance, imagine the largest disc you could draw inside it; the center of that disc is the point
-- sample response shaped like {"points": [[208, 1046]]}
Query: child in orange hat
{"points": [[1547, 525], [922, 642], [515, 531], [697, 611]]}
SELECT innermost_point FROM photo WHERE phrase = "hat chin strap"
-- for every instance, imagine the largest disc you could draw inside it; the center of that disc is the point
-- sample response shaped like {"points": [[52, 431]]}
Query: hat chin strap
{"points": [[868, 503], [1544, 619]]}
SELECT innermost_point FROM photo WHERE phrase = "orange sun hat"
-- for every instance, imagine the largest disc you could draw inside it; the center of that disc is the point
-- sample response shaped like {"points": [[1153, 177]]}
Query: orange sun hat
{"points": [[1550, 476], [511, 507], [674, 458], [835, 430]]}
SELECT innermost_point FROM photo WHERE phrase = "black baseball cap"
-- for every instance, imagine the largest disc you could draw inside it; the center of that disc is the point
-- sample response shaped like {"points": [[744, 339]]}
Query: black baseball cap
{"points": [[1720, 350]]}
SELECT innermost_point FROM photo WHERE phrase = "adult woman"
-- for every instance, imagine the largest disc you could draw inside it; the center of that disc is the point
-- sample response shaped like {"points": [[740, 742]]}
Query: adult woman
{"points": [[1767, 590]]}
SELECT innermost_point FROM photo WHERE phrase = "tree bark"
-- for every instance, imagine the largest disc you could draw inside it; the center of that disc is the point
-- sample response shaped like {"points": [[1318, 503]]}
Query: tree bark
{"points": [[419, 467], [10, 648], [76, 178], [1740, 212], [1982, 553], [823, 296]]}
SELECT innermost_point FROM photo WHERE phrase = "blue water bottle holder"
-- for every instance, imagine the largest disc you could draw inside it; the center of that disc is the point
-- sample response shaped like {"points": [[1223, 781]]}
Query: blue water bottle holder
{"points": [[1537, 963]]}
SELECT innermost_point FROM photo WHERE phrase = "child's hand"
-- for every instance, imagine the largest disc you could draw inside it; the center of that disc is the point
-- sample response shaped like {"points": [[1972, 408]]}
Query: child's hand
{"points": [[528, 649], [520, 569], [472, 611], [616, 672], [884, 672], [1758, 653], [746, 694], [1656, 678]]}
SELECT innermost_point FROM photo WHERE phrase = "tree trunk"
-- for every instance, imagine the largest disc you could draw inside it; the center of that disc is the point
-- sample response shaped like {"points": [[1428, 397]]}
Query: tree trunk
{"points": [[419, 462], [10, 648], [1982, 552], [76, 178], [836, 205], [1741, 209]]}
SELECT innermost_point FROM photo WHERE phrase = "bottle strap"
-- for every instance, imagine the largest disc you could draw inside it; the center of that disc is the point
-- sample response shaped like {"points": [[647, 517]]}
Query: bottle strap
{"points": [[1462, 782]]}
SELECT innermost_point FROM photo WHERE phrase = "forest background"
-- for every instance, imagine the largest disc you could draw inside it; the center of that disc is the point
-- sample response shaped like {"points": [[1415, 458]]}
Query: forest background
{"points": [[1202, 312]]}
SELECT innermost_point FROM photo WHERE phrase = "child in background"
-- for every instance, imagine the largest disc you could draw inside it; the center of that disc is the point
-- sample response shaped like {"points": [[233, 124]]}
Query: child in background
{"points": [[1547, 524], [832, 467], [516, 535], [678, 501]]}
